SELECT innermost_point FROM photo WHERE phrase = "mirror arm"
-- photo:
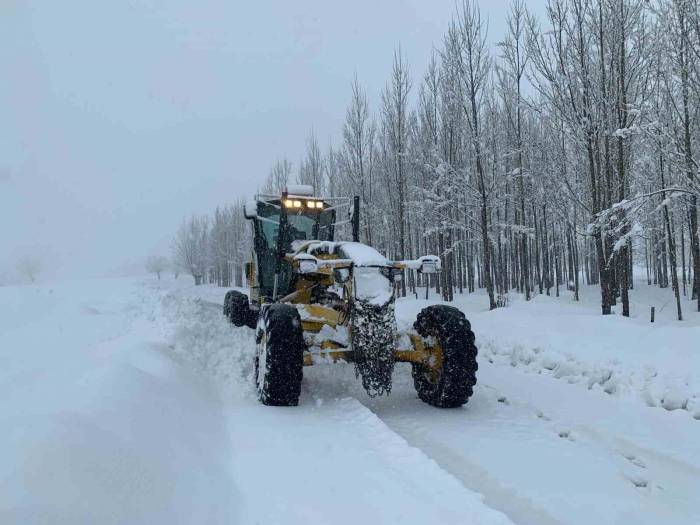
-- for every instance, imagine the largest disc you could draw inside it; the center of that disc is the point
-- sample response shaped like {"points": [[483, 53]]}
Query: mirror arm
{"points": [[265, 219]]}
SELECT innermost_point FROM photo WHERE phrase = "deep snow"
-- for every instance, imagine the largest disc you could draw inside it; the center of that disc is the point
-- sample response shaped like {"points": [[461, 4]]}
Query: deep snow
{"points": [[123, 401], [131, 401]]}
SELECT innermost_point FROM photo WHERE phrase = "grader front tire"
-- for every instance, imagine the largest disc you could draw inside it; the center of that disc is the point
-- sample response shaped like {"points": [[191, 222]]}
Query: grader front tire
{"points": [[453, 383], [279, 359]]}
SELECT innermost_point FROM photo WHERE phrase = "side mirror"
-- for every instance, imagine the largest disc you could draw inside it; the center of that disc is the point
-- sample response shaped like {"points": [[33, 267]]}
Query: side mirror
{"points": [[308, 266], [428, 267], [341, 275], [429, 264], [307, 263], [250, 210]]}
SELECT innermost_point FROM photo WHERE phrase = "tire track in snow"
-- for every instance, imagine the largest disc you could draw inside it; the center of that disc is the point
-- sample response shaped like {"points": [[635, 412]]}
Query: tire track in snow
{"points": [[401, 413], [654, 471], [636, 442], [582, 479], [518, 508]]}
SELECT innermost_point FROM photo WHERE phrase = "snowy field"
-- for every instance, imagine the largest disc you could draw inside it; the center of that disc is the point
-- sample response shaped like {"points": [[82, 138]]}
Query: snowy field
{"points": [[130, 401]]}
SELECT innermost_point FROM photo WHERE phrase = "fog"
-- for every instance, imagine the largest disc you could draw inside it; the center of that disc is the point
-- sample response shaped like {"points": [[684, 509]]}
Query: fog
{"points": [[119, 118]]}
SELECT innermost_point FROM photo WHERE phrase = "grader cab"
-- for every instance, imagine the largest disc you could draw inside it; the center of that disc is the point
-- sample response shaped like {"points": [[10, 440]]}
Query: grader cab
{"points": [[313, 300]]}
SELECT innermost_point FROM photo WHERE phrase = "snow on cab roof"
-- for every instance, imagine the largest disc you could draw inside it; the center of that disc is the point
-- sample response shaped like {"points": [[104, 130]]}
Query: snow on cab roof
{"points": [[304, 190]]}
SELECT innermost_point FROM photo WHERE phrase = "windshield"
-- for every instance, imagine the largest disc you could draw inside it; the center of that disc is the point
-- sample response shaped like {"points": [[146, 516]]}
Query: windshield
{"points": [[301, 225]]}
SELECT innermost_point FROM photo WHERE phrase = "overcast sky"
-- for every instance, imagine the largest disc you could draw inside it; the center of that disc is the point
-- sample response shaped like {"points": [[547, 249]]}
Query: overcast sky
{"points": [[119, 118]]}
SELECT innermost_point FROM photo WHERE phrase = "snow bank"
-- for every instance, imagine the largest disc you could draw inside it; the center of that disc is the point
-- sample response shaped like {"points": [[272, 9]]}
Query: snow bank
{"points": [[200, 338], [671, 391], [99, 425], [130, 401], [657, 364]]}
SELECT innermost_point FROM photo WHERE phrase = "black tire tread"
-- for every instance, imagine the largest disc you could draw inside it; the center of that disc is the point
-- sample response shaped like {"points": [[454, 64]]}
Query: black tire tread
{"points": [[285, 355], [453, 331], [227, 303], [237, 308]]}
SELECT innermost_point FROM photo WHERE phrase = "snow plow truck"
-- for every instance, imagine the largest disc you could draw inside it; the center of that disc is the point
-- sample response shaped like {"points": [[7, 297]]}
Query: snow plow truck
{"points": [[315, 300]]}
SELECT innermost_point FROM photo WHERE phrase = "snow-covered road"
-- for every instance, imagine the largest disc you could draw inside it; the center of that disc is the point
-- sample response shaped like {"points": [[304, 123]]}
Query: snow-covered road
{"points": [[544, 454], [130, 401]]}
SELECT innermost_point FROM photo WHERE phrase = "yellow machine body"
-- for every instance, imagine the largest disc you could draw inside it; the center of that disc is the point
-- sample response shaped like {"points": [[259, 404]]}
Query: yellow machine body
{"points": [[314, 317]]}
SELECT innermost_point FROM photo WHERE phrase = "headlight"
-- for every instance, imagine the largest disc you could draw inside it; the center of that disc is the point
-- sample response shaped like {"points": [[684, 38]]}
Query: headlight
{"points": [[295, 203]]}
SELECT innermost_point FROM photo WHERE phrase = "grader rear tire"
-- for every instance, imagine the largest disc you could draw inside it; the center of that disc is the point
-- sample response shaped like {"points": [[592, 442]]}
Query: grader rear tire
{"points": [[237, 308], [227, 304], [453, 384]]}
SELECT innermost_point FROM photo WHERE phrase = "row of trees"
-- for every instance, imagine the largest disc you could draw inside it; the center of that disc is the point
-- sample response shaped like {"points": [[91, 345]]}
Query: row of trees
{"points": [[564, 156], [214, 249]]}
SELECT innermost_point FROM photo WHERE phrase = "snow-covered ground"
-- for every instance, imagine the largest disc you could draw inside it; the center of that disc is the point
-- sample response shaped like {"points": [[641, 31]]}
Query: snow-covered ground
{"points": [[130, 401]]}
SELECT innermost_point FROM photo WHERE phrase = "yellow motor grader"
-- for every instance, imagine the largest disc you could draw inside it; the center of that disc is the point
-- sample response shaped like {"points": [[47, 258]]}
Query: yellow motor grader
{"points": [[315, 300]]}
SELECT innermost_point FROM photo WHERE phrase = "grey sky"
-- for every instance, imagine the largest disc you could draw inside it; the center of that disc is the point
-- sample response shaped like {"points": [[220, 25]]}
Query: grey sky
{"points": [[119, 118]]}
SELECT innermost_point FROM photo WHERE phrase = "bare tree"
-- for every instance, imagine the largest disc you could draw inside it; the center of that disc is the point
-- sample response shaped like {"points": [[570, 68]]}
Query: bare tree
{"points": [[311, 168], [515, 57], [395, 132], [279, 176], [157, 264], [358, 143], [29, 267], [473, 63], [175, 267], [190, 247]]}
